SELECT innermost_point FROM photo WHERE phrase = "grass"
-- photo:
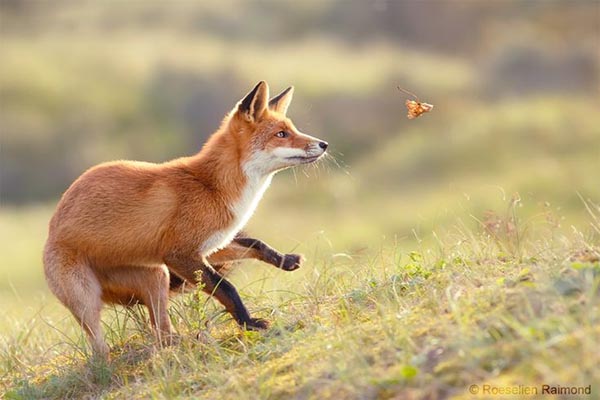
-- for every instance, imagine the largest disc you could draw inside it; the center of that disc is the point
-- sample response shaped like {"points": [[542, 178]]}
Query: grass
{"points": [[500, 302]]}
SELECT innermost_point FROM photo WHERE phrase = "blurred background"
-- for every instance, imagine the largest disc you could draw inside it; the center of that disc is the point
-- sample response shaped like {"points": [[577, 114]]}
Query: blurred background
{"points": [[515, 86]]}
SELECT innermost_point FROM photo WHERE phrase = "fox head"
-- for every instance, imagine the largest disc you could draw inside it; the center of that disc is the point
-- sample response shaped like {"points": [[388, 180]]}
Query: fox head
{"points": [[267, 139]]}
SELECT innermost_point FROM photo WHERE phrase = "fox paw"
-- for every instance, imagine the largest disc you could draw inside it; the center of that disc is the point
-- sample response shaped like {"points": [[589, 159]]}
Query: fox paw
{"points": [[291, 262], [256, 324]]}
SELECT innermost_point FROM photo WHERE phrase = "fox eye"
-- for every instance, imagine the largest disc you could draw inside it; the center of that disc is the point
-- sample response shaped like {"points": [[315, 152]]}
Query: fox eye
{"points": [[282, 134]]}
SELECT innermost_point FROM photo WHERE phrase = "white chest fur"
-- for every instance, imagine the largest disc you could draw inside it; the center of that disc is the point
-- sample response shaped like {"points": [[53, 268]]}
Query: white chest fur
{"points": [[246, 205], [256, 184]]}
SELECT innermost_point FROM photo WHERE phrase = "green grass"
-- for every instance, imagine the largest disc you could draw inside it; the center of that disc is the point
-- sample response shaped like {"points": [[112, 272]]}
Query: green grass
{"points": [[504, 302]]}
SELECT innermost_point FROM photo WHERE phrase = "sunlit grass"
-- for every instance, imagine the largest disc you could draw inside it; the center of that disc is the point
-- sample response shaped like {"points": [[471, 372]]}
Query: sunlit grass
{"points": [[507, 301]]}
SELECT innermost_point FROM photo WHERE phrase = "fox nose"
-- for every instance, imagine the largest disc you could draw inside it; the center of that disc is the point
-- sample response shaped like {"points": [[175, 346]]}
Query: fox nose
{"points": [[323, 145]]}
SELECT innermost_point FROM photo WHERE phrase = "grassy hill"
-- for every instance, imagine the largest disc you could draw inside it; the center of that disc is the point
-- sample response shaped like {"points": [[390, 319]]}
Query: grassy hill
{"points": [[508, 304]]}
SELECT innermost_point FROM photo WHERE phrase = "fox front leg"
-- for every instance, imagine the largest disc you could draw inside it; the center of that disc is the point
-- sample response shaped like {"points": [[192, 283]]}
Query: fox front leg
{"points": [[215, 285], [249, 248], [287, 262]]}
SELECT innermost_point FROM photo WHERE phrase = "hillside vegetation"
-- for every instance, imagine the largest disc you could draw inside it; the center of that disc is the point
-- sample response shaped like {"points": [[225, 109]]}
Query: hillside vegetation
{"points": [[461, 248], [508, 303]]}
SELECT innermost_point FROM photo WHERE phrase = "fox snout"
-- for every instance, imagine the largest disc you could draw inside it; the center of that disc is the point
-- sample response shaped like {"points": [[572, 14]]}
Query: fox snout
{"points": [[319, 146], [316, 147], [316, 150], [312, 150]]}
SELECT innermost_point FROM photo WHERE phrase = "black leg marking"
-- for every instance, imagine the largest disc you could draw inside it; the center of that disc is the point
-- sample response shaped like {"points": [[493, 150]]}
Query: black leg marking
{"points": [[217, 286], [287, 262], [226, 293]]}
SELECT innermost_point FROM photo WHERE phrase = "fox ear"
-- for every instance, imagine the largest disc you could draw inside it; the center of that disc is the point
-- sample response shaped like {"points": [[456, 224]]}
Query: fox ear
{"points": [[253, 106], [281, 102]]}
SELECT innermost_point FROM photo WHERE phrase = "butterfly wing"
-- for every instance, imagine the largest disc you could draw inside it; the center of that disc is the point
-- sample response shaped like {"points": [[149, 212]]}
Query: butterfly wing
{"points": [[426, 107], [416, 108]]}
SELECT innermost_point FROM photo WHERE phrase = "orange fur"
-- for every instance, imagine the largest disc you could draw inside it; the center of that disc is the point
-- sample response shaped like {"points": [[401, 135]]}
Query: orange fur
{"points": [[123, 227]]}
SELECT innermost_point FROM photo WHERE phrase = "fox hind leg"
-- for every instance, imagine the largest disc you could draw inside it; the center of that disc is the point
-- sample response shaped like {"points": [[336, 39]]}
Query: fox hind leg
{"points": [[149, 285], [76, 286]]}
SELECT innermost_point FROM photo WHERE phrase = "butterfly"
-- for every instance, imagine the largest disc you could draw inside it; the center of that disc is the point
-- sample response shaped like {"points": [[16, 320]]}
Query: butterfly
{"points": [[415, 107]]}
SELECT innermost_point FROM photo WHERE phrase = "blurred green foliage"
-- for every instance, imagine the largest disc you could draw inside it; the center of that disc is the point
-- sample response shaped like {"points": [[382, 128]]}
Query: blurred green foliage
{"points": [[514, 84], [85, 83]]}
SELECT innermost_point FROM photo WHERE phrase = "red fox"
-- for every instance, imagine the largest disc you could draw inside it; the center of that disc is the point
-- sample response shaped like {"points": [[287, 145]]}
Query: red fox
{"points": [[129, 231]]}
